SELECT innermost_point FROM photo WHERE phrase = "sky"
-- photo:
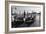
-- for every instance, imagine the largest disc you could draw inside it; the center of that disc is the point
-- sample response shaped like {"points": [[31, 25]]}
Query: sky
{"points": [[21, 9]]}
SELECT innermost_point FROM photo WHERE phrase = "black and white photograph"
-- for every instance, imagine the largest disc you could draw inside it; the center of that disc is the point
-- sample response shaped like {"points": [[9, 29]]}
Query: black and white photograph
{"points": [[25, 16]]}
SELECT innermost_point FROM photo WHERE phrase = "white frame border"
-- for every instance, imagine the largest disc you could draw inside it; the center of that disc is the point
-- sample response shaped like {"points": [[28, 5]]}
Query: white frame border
{"points": [[29, 28]]}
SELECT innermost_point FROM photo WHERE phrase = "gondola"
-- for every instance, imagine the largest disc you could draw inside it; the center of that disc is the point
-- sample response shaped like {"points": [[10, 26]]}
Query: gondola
{"points": [[20, 20]]}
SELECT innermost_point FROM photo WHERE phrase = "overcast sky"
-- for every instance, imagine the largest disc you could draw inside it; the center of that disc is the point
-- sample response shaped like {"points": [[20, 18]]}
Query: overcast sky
{"points": [[21, 9]]}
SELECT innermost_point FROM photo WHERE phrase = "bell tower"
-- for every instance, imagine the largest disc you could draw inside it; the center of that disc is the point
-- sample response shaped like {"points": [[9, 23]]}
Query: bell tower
{"points": [[24, 13]]}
